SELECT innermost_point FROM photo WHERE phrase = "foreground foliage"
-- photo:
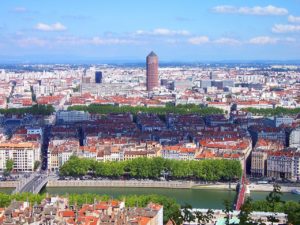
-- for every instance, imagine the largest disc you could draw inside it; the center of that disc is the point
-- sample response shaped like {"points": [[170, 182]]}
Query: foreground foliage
{"points": [[208, 170]]}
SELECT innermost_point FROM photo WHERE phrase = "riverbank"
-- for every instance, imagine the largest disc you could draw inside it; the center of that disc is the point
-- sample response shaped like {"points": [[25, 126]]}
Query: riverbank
{"points": [[219, 186], [121, 183], [152, 184], [163, 184], [269, 187], [8, 184]]}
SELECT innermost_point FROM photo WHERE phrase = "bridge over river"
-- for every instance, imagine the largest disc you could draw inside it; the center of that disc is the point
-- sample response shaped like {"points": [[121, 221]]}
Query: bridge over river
{"points": [[33, 184]]}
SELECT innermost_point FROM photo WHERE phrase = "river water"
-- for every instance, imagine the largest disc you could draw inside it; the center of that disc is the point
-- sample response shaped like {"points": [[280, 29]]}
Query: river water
{"points": [[198, 198]]}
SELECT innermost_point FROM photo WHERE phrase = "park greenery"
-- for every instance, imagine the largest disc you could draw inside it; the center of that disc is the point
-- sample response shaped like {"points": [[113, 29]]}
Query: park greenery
{"points": [[169, 108], [141, 168], [43, 110], [278, 111]]}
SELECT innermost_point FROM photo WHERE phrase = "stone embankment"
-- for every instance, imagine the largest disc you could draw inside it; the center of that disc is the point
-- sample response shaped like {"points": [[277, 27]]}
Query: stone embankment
{"points": [[120, 183], [8, 184]]}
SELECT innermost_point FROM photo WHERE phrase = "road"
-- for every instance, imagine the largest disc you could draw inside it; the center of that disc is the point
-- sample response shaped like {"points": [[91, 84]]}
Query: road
{"points": [[30, 186], [46, 135]]}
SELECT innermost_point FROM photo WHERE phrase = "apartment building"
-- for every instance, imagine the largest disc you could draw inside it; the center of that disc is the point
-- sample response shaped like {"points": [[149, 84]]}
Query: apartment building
{"points": [[260, 153], [59, 151], [23, 154], [284, 164], [295, 138]]}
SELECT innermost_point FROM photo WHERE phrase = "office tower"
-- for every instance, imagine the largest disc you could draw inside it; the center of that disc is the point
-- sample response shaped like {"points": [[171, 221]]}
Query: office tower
{"points": [[213, 76], [205, 83], [98, 77], [152, 71]]}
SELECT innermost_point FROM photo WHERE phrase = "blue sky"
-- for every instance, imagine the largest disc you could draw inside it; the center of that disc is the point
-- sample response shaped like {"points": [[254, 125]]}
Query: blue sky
{"points": [[177, 30]]}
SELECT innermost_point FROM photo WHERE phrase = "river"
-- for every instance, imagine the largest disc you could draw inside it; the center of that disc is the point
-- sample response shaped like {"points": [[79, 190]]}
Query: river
{"points": [[198, 198]]}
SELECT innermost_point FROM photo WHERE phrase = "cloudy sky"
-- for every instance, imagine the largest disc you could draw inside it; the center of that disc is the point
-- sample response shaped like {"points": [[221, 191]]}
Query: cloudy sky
{"points": [[177, 30]]}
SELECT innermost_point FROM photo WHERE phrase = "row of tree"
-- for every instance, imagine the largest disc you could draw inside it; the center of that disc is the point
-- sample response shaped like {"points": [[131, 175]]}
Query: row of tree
{"points": [[208, 170], [179, 109], [278, 111], [42, 110]]}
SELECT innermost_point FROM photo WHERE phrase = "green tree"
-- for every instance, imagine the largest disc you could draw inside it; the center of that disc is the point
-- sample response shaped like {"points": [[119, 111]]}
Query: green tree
{"points": [[292, 209], [228, 211], [245, 213], [204, 218], [273, 198], [187, 213], [36, 165], [9, 166]]}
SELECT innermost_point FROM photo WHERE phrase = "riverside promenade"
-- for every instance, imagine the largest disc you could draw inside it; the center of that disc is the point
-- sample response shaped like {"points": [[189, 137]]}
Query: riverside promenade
{"points": [[121, 183], [54, 182]]}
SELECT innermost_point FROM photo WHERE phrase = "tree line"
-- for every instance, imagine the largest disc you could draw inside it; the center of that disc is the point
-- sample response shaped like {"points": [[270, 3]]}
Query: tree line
{"points": [[43, 110], [278, 111], [207, 170], [169, 108]]}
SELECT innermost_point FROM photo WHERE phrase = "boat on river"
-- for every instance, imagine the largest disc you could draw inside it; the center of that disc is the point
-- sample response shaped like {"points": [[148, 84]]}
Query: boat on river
{"points": [[296, 191]]}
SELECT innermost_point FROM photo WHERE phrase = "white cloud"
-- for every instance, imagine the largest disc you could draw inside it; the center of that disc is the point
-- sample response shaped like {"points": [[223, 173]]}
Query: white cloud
{"points": [[31, 41], [263, 40], [289, 39], [285, 28], [110, 41], [198, 40], [256, 10], [227, 41], [20, 10], [50, 27], [163, 32], [294, 19]]}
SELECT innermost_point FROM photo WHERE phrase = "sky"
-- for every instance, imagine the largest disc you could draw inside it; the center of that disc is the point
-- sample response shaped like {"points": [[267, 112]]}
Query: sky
{"points": [[124, 30]]}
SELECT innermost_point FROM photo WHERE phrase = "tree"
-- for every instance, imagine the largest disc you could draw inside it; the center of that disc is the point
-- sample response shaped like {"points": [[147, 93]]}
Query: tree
{"points": [[208, 99], [272, 199], [187, 213], [9, 165], [202, 218], [228, 211], [36, 165], [292, 209], [245, 212]]}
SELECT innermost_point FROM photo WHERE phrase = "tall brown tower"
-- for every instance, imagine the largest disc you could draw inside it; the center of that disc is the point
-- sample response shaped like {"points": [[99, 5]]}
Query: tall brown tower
{"points": [[152, 71]]}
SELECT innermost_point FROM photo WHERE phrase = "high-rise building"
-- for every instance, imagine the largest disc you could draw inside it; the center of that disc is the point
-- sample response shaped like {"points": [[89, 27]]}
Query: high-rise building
{"points": [[152, 71], [213, 75], [98, 77]]}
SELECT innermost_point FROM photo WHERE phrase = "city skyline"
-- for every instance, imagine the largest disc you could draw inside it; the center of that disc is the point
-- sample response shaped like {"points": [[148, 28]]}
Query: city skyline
{"points": [[57, 31]]}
